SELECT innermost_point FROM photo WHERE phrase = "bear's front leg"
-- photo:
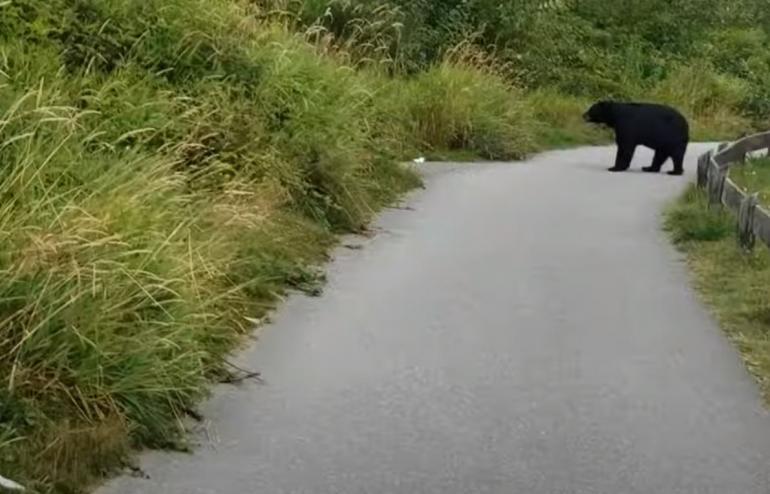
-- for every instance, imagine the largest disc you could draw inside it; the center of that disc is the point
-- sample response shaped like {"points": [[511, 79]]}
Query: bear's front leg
{"points": [[623, 158]]}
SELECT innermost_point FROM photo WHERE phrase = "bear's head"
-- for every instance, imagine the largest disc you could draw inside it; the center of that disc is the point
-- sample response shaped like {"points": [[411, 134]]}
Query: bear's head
{"points": [[601, 112]]}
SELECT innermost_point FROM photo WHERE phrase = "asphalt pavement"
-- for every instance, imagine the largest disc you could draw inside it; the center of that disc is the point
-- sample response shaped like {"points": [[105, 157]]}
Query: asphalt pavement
{"points": [[521, 328]]}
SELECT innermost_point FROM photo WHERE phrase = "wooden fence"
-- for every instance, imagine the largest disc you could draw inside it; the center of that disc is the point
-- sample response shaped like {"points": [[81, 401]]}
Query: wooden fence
{"points": [[713, 167]]}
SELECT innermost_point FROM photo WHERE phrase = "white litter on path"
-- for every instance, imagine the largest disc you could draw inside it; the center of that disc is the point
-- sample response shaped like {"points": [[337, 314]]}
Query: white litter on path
{"points": [[10, 484]]}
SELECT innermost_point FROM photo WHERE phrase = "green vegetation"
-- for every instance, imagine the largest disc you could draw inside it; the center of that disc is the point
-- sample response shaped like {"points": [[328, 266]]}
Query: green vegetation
{"points": [[734, 284], [171, 167], [754, 176], [707, 57]]}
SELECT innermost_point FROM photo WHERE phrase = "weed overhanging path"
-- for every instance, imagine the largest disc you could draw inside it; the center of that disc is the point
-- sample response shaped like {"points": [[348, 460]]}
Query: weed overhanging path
{"points": [[526, 328]]}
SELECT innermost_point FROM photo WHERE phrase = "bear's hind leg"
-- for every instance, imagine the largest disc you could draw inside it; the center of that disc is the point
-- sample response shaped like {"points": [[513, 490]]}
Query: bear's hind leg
{"points": [[678, 158], [657, 162]]}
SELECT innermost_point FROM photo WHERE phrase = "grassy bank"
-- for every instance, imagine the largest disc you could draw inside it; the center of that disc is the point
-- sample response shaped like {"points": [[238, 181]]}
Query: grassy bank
{"points": [[166, 178], [735, 285], [170, 168]]}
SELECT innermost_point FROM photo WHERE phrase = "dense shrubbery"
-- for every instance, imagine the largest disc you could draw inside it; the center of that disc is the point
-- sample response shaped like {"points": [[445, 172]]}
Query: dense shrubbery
{"points": [[588, 48], [171, 167]]}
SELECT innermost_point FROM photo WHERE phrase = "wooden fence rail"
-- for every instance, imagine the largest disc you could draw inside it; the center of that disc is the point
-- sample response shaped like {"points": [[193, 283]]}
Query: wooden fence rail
{"points": [[713, 176]]}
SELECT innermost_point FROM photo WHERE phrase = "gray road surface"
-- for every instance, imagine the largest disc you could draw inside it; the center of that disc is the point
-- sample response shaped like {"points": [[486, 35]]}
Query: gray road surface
{"points": [[526, 329]]}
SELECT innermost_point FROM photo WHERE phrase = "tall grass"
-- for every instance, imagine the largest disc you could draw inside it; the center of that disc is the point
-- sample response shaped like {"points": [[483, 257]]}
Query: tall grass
{"points": [[465, 103], [123, 286], [167, 176], [708, 98], [559, 121], [170, 168], [588, 50]]}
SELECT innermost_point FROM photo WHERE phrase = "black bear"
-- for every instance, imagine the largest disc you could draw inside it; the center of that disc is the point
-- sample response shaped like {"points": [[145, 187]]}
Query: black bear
{"points": [[658, 127]]}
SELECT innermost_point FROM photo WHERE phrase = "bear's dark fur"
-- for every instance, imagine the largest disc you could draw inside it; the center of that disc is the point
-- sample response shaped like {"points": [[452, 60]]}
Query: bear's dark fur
{"points": [[658, 127]]}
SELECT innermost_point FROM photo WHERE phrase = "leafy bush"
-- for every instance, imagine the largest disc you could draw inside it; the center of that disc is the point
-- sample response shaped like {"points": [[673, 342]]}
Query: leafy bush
{"points": [[588, 49]]}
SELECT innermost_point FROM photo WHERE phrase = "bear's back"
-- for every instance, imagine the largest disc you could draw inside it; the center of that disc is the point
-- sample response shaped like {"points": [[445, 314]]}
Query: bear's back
{"points": [[655, 117]]}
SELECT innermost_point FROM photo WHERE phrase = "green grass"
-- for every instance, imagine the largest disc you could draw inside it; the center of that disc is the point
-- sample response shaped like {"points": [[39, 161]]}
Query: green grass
{"points": [[709, 99], [559, 121], [167, 177], [735, 285], [754, 176], [125, 283], [463, 105]]}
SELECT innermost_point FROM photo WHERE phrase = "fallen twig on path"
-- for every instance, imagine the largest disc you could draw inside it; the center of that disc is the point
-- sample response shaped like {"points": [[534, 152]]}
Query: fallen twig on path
{"points": [[246, 375]]}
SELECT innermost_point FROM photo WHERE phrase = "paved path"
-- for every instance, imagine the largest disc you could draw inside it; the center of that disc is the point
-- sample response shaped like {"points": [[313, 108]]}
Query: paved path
{"points": [[527, 329]]}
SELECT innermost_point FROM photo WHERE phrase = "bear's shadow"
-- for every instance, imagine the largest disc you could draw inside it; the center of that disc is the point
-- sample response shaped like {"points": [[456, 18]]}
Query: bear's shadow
{"points": [[635, 169]]}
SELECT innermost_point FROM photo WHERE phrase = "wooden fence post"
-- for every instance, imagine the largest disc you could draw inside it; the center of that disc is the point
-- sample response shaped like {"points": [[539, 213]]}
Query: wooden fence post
{"points": [[703, 169], [746, 236], [712, 175], [716, 183]]}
